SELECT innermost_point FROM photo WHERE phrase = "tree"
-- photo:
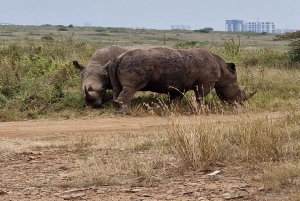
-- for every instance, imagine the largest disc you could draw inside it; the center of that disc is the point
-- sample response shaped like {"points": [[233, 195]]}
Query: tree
{"points": [[294, 44]]}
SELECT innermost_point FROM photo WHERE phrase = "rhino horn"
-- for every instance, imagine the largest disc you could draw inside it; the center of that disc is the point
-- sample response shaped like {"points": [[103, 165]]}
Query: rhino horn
{"points": [[249, 95], [87, 94]]}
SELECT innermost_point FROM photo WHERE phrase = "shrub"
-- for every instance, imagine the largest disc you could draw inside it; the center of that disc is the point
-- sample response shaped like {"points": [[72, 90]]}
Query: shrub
{"points": [[62, 29], [205, 30]]}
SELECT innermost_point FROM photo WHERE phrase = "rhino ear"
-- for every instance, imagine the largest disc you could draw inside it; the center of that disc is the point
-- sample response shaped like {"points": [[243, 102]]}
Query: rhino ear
{"points": [[231, 67], [103, 70], [78, 66]]}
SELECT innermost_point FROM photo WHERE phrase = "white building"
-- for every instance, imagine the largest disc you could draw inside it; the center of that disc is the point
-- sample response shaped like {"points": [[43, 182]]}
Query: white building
{"points": [[259, 27], [282, 31], [234, 25]]}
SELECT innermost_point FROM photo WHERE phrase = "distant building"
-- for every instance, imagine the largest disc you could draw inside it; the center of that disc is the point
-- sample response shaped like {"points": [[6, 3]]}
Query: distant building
{"points": [[180, 27], [279, 31], [282, 31], [234, 25], [4, 23], [259, 27]]}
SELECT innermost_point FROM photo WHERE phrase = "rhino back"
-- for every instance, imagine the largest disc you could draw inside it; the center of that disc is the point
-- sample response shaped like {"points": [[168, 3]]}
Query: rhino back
{"points": [[159, 68], [104, 55]]}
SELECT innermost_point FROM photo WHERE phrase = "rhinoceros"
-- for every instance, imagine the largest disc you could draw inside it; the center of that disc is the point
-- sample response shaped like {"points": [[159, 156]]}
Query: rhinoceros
{"points": [[95, 80], [173, 72]]}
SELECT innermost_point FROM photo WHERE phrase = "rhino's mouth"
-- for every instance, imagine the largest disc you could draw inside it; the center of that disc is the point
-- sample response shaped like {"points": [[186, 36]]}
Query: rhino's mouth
{"points": [[93, 104], [238, 98], [234, 100], [92, 101]]}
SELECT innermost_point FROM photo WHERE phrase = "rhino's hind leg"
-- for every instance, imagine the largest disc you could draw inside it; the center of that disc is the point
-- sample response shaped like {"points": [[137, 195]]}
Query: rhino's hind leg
{"points": [[124, 100]]}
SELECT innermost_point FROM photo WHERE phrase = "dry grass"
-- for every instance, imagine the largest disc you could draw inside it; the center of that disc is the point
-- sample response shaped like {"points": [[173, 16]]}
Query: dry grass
{"points": [[267, 146], [126, 160]]}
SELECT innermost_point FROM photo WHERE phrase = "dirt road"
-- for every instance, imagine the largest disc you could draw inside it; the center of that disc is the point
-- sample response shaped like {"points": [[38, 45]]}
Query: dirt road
{"points": [[111, 125]]}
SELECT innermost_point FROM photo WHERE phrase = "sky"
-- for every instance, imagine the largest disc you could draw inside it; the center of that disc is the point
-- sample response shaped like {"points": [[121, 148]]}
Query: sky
{"points": [[150, 14]]}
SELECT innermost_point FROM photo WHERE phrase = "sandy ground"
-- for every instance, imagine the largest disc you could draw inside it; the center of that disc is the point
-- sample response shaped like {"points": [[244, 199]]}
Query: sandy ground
{"points": [[19, 171]]}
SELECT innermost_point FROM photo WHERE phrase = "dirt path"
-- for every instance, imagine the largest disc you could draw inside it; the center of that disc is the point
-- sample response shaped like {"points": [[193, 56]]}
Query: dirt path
{"points": [[112, 125]]}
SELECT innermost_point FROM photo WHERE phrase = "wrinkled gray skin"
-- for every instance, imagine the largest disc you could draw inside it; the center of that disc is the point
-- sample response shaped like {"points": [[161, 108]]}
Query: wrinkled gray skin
{"points": [[95, 80], [174, 72]]}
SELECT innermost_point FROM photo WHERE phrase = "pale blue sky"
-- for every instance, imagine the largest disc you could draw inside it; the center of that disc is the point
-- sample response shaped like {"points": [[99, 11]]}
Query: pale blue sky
{"points": [[156, 14]]}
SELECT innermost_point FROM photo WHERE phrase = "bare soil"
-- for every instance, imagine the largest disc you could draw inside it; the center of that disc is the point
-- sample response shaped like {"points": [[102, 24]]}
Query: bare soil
{"points": [[20, 171]]}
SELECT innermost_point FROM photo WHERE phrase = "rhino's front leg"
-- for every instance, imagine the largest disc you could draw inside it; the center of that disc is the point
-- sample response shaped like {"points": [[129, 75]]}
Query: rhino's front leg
{"points": [[116, 92], [124, 100], [175, 98]]}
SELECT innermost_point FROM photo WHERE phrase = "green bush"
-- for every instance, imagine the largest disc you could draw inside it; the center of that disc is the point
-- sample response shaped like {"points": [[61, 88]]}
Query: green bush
{"points": [[36, 79], [62, 29], [205, 30]]}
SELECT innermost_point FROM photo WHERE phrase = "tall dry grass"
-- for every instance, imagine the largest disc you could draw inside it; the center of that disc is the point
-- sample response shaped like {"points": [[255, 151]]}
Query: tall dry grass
{"points": [[250, 140]]}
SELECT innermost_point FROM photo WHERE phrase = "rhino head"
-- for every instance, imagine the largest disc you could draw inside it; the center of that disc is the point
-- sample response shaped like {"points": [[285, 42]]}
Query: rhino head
{"points": [[95, 81], [228, 89]]}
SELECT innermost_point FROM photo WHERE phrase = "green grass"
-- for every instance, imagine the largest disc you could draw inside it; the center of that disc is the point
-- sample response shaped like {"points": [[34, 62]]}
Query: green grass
{"points": [[38, 79]]}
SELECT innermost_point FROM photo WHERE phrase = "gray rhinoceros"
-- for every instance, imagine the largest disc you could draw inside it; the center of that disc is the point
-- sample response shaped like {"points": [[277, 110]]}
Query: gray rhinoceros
{"points": [[95, 80], [174, 72]]}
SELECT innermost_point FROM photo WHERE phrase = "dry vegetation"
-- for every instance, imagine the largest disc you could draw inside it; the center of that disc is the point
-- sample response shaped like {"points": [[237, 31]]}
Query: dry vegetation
{"points": [[258, 143]]}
